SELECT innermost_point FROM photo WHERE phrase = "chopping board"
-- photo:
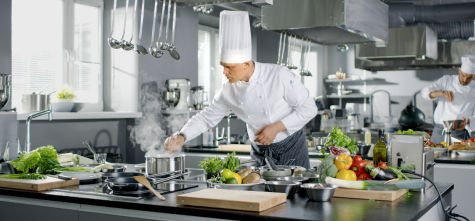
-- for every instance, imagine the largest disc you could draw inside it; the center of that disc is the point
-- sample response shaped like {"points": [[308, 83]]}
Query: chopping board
{"points": [[232, 199], [236, 147], [37, 185], [386, 195]]}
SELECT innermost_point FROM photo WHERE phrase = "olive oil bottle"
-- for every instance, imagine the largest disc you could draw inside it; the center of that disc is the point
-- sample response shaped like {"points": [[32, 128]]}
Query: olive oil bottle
{"points": [[379, 151]]}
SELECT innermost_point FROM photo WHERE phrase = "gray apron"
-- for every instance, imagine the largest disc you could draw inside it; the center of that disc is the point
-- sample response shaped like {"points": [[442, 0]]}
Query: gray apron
{"points": [[292, 147], [438, 136]]}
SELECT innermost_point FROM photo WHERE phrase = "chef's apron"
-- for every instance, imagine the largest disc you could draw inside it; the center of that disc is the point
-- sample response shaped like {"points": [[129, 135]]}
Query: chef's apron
{"points": [[438, 136], [292, 147]]}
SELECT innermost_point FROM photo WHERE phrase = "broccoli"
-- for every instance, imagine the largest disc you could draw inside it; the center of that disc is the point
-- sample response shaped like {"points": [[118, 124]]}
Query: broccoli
{"points": [[327, 168]]}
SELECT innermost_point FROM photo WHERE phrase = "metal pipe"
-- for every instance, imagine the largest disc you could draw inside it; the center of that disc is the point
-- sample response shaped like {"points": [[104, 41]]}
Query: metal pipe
{"points": [[228, 140], [30, 117]]}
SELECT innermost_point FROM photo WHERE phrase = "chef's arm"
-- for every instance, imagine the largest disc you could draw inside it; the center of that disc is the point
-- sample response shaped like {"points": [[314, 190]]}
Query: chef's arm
{"points": [[295, 94], [435, 90]]}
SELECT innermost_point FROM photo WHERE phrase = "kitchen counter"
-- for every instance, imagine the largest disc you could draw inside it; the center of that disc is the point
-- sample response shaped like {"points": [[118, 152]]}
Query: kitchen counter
{"points": [[56, 204]]}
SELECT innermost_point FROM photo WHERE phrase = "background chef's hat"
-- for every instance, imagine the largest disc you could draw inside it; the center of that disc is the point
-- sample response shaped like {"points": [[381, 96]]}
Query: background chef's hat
{"points": [[468, 64], [235, 37]]}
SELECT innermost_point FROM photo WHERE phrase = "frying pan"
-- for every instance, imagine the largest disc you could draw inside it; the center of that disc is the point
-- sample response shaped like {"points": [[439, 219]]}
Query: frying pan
{"points": [[124, 184], [106, 176]]}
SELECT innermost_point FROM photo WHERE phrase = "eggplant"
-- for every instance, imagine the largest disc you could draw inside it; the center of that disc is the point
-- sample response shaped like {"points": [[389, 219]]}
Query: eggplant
{"points": [[380, 173]]}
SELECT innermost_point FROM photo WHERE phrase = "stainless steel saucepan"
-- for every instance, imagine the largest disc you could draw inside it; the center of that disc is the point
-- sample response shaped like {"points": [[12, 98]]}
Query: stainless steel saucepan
{"points": [[163, 164]]}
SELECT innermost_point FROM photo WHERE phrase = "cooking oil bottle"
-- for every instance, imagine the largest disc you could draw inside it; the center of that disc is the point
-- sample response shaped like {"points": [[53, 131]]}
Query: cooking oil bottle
{"points": [[380, 151]]}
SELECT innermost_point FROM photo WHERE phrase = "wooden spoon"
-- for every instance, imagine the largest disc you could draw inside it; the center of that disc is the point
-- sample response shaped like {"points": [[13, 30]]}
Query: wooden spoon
{"points": [[146, 183]]}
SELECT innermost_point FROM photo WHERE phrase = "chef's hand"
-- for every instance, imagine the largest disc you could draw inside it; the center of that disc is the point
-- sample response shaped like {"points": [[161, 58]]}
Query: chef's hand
{"points": [[449, 95], [266, 135], [174, 142]]}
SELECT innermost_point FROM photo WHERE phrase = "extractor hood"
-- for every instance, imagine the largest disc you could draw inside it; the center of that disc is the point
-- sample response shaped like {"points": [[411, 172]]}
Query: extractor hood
{"points": [[416, 42], [329, 22], [449, 53]]}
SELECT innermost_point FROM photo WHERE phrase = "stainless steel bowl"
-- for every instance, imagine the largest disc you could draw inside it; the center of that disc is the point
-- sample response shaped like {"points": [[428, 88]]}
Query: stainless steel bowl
{"points": [[288, 187], [249, 186], [160, 165], [271, 175], [293, 179], [319, 191]]}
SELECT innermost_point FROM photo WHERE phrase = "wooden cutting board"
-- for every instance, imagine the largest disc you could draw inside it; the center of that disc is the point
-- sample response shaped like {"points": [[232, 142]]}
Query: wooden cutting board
{"points": [[37, 185], [236, 147], [389, 195], [232, 199]]}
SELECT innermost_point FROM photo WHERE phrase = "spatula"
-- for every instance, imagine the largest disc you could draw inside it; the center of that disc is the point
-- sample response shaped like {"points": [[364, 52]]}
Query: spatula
{"points": [[146, 183]]}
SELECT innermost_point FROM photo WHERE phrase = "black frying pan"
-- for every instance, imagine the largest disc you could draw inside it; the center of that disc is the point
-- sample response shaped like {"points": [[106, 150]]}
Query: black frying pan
{"points": [[106, 176], [124, 184]]}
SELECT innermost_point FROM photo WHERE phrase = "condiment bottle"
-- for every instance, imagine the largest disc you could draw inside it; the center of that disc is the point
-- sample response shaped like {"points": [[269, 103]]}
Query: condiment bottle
{"points": [[380, 151]]}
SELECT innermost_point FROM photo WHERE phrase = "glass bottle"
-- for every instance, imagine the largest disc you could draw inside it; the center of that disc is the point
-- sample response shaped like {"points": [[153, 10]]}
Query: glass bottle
{"points": [[380, 151]]}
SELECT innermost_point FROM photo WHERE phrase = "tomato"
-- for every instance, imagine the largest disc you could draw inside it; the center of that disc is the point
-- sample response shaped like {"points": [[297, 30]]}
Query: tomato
{"points": [[364, 176], [471, 140], [343, 162], [464, 141], [358, 167], [382, 165], [357, 158]]}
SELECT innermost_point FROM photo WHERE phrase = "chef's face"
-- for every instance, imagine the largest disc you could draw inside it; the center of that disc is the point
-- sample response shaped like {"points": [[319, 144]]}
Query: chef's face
{"points": [[465, 78], [237, 72]]}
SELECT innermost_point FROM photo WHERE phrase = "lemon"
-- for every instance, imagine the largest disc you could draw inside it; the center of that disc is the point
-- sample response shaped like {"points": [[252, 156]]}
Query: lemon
{"points": [[238, 178], [346, 175], [231, 181], [226, 174]]}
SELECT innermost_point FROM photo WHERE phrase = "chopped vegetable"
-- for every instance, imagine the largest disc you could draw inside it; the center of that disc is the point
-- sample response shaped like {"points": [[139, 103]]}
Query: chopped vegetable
{"points": [[30, 176], [407, 132], [377, 185], [339, 139], [231, 162]]}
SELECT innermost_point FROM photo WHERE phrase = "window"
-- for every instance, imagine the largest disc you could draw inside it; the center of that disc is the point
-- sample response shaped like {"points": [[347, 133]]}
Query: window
{"points": [[56, 44], [210, 72]]}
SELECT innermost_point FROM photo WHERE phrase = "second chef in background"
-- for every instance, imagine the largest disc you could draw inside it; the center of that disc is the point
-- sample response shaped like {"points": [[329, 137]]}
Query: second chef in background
{"points": [[268, 97]]}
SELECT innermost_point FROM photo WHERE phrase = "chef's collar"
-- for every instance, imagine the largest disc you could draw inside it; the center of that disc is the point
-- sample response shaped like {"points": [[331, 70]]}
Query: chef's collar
{"points": [[255, 75]]}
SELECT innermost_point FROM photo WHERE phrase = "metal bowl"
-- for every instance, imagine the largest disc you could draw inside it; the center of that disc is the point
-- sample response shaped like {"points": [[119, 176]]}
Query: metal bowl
{"points": [[293, 179], [248, 186], [288, 187], [319, 191], [115, 169], [271, 175]]}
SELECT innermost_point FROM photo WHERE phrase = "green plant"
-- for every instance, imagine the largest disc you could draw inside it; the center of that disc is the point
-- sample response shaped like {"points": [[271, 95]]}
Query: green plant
{"points": [[65, 94], [212, 165], [231, 162]]}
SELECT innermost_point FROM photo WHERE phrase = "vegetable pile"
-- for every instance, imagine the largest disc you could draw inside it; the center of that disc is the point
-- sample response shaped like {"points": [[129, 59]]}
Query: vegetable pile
{"points": [[214, 165], [32, 165], [222, 171], [338, 139]]}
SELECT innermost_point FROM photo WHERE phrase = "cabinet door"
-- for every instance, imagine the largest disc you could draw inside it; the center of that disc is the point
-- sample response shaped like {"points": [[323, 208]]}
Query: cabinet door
{"points": [[17, 211]]}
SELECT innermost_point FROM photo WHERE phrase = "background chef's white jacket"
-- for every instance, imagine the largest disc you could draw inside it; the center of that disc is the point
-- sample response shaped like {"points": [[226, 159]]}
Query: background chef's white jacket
{"points": [[463, 104], [272, 94]]}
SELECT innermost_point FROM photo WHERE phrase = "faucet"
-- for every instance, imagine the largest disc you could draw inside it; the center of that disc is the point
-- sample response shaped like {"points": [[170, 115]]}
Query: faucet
{"points": [[30, 117], [228, 131]]}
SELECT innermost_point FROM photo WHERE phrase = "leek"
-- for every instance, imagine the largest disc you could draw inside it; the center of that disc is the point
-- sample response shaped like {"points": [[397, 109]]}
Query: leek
{"points": [[377, 185]]}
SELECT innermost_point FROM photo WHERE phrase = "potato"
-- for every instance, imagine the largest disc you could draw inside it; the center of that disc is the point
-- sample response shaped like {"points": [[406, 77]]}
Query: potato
{"points": [[244, 172], [252, 178]]}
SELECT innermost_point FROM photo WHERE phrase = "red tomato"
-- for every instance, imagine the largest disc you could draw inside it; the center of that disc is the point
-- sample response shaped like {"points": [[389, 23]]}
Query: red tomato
{"points": [[358, 167], [471, 140], [382, 165], [364, 176], [357, 158]]}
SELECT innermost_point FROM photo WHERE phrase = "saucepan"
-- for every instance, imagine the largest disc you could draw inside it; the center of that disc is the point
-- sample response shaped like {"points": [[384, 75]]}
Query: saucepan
{"points": [[164, 164]]}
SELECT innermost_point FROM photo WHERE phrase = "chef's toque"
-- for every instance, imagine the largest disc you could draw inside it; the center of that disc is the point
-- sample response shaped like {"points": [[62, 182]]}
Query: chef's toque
{"points": [[468, 64], [235, 37]]}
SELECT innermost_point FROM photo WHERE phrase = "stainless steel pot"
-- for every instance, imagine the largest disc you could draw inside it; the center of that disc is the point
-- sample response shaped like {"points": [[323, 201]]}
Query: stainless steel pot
{"points": [[164, 164]]}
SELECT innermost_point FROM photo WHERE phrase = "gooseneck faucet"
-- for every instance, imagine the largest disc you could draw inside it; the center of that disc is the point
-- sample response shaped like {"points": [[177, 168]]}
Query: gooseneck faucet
{"points": [[30, 117]]}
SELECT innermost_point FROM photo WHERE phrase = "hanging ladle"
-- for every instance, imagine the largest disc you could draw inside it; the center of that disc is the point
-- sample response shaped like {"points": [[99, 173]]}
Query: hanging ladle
{"points": [[164, 45], [122, 41], [138, 45], [172, 49], [280, 48], [114, 43], [290, 64], [150, 48], [155, 51], [127, 45], [305, 72], [284, 40]]}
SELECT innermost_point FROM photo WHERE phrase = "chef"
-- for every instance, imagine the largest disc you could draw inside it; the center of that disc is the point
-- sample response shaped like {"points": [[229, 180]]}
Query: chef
{"points": [[268, 97], [455, 100]]}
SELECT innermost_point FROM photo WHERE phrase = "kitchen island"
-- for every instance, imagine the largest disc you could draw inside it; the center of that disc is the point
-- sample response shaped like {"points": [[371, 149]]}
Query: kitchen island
{"points": [[83, 203]]}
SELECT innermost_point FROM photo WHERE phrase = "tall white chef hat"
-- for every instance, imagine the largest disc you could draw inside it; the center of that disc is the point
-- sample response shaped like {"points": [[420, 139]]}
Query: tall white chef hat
{"points": [[235, 37], [468, 64]]}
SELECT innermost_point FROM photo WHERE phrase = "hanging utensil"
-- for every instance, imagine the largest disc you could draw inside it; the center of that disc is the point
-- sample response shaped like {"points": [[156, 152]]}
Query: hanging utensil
{"points": [[290, 64], [305, 72], [139, 48], [165, 45], [283, 49], [172, 49], [127, 45], [122, 41], [280, 48], [113, 43], [153, 26], [156, 51]]}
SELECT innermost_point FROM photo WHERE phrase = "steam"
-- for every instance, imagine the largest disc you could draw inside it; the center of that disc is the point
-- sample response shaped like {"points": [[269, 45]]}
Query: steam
{"points": [[149, 132]]}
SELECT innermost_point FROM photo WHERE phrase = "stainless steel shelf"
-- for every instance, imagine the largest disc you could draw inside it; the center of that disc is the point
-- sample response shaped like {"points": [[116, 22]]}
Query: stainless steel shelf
{"points": [[334, 96]]}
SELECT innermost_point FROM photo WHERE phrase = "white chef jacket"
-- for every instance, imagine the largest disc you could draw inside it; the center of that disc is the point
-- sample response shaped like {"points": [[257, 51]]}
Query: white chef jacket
{"points": [[272, 94], [463, 104]]}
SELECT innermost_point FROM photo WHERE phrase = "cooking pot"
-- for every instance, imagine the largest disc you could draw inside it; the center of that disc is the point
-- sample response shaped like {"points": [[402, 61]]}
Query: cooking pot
{"points": [[163, 164], [411, 117]]}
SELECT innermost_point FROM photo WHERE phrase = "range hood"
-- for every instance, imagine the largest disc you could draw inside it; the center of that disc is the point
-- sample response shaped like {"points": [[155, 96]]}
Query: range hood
{"points": [[416, 42], [329, 22], [449, 53]]}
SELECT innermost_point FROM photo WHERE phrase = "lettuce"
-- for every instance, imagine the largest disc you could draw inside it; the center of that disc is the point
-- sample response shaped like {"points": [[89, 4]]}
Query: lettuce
{"points": [[339, 139]]}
